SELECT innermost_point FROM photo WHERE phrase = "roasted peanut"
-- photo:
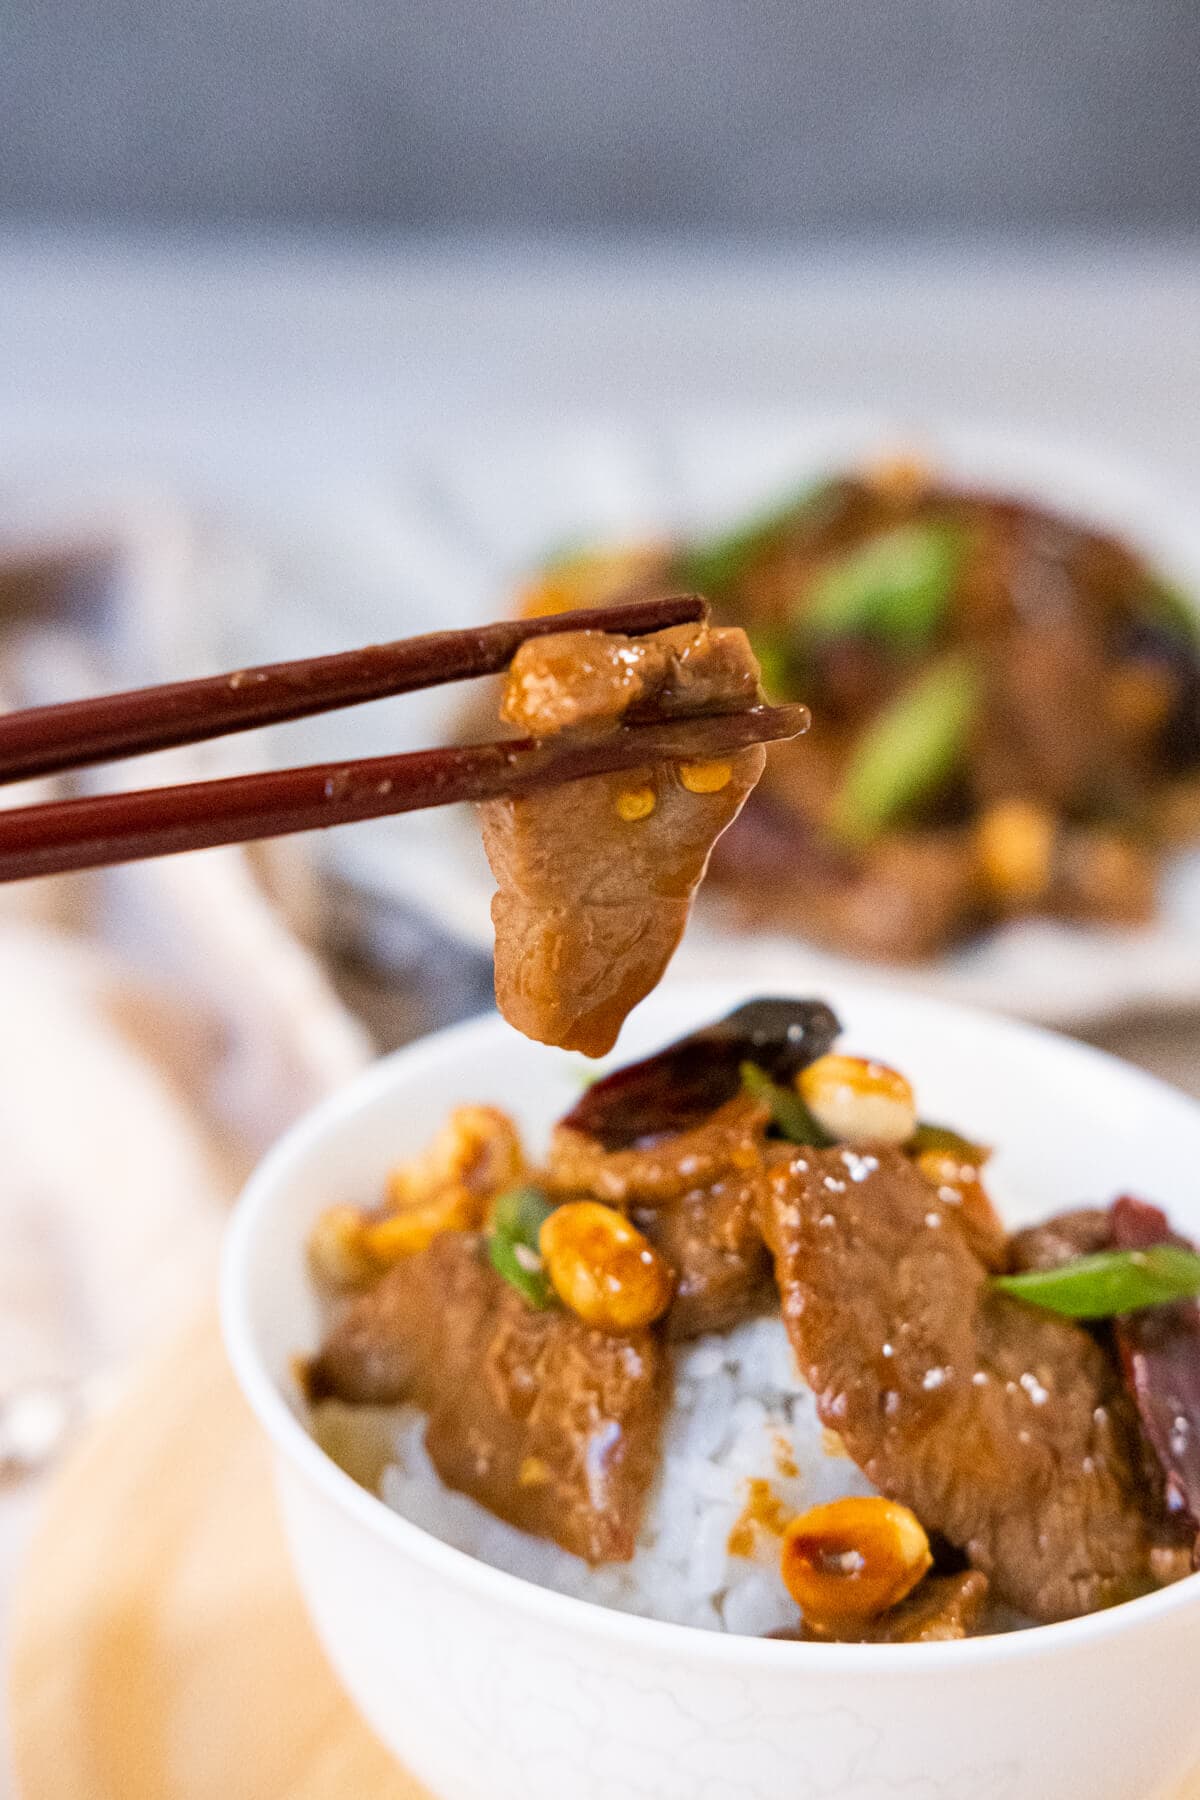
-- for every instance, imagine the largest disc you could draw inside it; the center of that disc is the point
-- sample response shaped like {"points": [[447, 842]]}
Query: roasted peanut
{"points": [[603, 1269], [853, 1559], [1014, 848], [478, 1148], [900, 478], [633, 804], [857, 1101], [705, 777], [593, 578], [448, 1187], [337, 1249], [413, 1228]]}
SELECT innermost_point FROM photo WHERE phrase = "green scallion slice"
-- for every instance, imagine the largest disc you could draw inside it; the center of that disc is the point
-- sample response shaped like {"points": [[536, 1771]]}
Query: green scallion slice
{"points": [[774, 663], [788, 1111], [896, 585], [907, 751], [1176, 611], [517, 1219], [1109, 1283]]}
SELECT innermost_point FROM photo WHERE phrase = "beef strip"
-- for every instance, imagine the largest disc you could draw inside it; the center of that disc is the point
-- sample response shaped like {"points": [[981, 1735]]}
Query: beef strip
{"points": [[591, 905], [1046, 736], [1160, 1355], [897, 901], [696, 1196], [1060, 1240], [1092, 695], [1005, 1428], [941, 1609], [551, 1425], [1159, 1348]]}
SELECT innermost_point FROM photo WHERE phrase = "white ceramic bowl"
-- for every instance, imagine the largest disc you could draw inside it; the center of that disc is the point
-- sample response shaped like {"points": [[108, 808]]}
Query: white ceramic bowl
{"points": [[489, 1688]]}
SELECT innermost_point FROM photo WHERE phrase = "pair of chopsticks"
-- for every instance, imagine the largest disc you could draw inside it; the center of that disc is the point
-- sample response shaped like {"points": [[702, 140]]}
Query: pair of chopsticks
{"points": [[68, 835]]}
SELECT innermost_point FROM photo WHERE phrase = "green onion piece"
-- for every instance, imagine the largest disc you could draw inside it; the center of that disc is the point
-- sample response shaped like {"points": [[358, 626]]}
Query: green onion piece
{"points": [[517, 1219], [771, 655], [1176, 611], [952, 1143], [788, 1111], [713, 565], [1112, 1282], [897, 585], [907, 751]]}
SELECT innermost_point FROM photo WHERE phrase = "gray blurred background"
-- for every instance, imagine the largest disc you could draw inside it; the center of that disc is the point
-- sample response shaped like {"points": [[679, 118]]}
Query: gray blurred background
{"points": [[787, 117]]}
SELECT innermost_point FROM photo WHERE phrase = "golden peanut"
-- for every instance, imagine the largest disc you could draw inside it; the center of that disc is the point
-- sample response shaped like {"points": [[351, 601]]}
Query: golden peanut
{"points": [[337, 1249], [857, 1101], [593, 578], [603, 1269], [635, 803], [1014, 848], [477, 1148], [853, 1559], [414, 1227], [705, 777], [533, 1472], [900, 479]]}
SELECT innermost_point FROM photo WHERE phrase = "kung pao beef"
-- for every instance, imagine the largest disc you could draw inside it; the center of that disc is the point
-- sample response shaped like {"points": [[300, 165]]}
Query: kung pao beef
{"points": [[1006, 706], [1026, 1408]]}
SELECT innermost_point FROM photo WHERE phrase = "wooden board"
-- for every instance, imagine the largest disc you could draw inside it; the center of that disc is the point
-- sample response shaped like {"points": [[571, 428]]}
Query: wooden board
{"points": [[160, 1647]]}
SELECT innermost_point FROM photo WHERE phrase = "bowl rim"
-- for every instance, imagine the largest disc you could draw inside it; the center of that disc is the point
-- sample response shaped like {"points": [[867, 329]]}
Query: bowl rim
{"points": [[635, 1632]]}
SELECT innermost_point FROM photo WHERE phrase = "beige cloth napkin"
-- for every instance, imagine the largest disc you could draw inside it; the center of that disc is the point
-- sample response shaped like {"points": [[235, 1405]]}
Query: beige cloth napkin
{"points": [[158, 1027]]}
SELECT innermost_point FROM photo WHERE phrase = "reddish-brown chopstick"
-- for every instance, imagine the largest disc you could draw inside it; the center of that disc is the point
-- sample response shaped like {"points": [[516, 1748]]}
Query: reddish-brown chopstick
{"points": [[120, 828], [46, 739]]}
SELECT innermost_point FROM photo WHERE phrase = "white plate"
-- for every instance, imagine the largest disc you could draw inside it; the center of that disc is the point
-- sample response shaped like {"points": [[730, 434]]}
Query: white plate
{"points": [[448, 541]]}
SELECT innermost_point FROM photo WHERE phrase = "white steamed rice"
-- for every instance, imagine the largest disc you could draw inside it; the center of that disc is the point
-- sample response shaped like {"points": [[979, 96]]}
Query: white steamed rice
{"points": [[739, 1413]]}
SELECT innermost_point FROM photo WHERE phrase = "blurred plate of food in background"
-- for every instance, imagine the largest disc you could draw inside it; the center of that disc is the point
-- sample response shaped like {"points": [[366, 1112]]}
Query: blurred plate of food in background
{"points": [[1001, 795]]}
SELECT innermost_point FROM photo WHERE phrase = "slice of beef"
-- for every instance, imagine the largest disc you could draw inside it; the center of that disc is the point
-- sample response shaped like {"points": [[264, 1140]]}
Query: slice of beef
{"points": [[1160, 1354], [901, 900], [1062, 1239], [551, 1425], [1159, 1349], [696, 1195], [593, 895], [941, 1609], [424, 1316], [1005, 1428], [713, 1240]]}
